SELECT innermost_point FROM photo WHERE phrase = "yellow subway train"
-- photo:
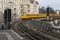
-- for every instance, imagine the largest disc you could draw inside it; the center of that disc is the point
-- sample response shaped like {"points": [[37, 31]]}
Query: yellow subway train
{"points": [[40, 15]]}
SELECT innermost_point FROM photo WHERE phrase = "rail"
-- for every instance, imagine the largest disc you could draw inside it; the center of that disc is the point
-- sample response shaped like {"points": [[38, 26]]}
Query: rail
{"points": [[47, 33]]}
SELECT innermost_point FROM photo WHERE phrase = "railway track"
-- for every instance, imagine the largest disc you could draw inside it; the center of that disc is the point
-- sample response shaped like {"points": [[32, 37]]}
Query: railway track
{"points": [[29, 32], [24, 32], [15, 28], [49, 35], [50, 31]]}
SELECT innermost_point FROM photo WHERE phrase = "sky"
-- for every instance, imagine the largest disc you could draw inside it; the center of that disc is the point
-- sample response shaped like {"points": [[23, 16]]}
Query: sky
{"points": [[55, 4]]}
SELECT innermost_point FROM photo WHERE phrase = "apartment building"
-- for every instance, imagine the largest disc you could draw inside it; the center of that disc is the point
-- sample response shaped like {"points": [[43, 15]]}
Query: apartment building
{"points": [[30, 7], [14, 5], [20, 7]]}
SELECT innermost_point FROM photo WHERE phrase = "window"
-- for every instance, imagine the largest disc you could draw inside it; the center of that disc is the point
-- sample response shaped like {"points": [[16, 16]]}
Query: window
{"points": [[28, 10]]}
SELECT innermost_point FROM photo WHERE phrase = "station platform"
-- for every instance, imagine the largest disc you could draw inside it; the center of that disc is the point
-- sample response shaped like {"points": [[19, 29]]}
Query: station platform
{"points": [[9, 35]]}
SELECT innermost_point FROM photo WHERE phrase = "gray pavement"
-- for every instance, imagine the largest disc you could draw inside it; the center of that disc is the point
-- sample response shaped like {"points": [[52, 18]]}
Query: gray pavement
{"points": [[3, 37], [9, 35]]}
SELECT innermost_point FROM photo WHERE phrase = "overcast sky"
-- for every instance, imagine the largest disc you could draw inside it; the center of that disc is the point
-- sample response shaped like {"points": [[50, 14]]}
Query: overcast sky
{"points": [[52, 3]]}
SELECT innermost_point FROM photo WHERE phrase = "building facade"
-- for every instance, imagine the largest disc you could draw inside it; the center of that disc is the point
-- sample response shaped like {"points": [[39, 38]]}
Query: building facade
{"points": [[19, 7], [30, 7]]}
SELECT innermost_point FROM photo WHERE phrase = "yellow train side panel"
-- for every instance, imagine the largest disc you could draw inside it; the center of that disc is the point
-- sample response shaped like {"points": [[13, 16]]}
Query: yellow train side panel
{"points": [[33, 16], [54, 15], [27, 16]]}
